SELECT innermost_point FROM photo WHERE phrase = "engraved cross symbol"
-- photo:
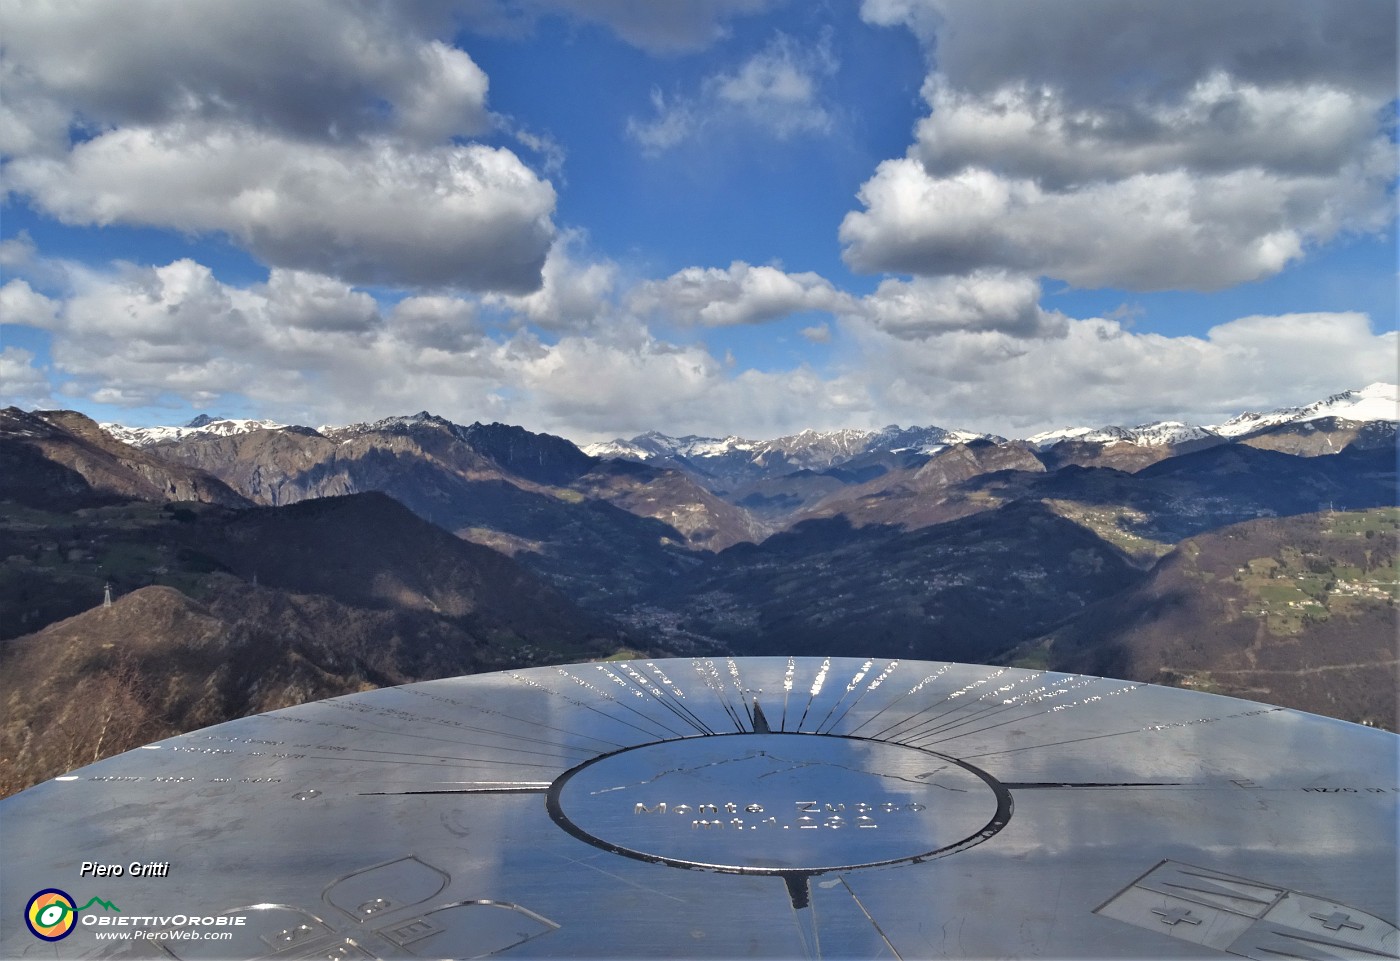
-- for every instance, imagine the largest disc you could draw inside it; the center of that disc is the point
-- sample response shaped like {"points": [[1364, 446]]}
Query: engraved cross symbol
{"points": [[1176, 916], [1336, 921]]}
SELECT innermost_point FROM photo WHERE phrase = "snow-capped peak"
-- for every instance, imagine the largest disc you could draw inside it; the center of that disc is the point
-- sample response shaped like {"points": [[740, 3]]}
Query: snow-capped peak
{"points": [[203, 425], [617, 449], [1376, 402], [398, 422], [1157, 433], [1092, 435], [654, 444], [1169, 432]]}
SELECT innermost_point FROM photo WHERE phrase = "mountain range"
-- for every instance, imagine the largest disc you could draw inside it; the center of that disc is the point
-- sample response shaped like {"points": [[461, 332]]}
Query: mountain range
{"points": [[332, 558]]}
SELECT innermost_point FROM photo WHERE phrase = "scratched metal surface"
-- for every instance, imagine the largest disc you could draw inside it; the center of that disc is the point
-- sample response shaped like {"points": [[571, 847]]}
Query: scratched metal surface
{"points": [[759, 807]]}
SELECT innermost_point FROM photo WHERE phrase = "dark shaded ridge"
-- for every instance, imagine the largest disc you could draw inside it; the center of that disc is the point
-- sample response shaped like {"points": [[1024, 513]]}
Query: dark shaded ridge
{"points": [[966, 590], [1296, 610]]}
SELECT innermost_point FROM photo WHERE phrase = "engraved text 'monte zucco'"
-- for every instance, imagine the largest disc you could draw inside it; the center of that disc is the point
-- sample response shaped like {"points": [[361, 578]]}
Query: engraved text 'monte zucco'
{"points": [[807, 815]]}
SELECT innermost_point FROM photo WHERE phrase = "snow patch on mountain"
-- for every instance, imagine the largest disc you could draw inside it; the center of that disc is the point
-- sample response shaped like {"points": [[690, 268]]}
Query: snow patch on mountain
{"points": [[1156, 434], [819, 450], [201, 426], [389, 424], [1088, 435], [1169, 432], [654, 445], [1376, 402], [736, 457]]}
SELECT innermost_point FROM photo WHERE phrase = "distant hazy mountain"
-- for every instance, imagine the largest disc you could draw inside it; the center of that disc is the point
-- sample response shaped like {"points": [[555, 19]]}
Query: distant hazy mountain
{"points": [[1378, 402], [734, 461]]}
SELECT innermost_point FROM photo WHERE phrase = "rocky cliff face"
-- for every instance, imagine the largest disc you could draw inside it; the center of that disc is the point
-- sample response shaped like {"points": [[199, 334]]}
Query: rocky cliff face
{"points": [[107, 466]]}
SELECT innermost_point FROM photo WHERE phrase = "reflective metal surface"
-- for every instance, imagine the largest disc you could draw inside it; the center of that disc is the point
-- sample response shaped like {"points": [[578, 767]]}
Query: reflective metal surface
{"points": [[768, 807]]}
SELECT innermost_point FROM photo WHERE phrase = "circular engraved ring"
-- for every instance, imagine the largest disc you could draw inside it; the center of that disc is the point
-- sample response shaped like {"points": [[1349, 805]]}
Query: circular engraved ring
{"points": [[779, 803]]}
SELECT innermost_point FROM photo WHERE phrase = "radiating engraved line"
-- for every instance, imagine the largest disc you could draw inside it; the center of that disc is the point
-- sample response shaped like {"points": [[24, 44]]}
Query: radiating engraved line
{"points": [[541, 788], [804, 913], [460, 725], [368, 729], [531, 682], [644, 688], [1024, 699], [710, 675], [787, 690], [816, 689], [739, 689], [496, 747], [660, 696], [1032, 747], [1054, 710], [530, 723], [584, 704], [621, 702], [869, 917], [650, 889], [1001, 704], [360, 711], [687, 769], [796, 765], [960, 692], [679, 696], [640, 694], [879, 679], [435, 763], [1033, 785], [664, 698], [913, 690], [850, 686]]}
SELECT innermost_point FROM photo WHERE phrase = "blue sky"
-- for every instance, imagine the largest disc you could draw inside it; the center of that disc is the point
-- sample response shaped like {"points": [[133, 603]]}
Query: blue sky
{"points": [[597, 217]]}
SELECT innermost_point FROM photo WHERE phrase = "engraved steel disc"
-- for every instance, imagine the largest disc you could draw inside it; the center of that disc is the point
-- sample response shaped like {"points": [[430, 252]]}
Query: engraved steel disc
{"points": [[768, 807]]}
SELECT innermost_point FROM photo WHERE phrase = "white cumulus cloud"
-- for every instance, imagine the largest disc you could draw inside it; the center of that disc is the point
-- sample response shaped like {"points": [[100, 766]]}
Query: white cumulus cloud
{"points": [[1153, 231], [21, 383], [973, 352], [739, 294], [471, 215], [1205, 146], [576, 291], [984, 300], [1099, 372], [319, 69], [320, 136]]}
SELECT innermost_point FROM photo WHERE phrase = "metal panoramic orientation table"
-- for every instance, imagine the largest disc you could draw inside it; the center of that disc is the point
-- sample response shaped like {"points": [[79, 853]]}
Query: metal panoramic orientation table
{"points": [[748, 807]]}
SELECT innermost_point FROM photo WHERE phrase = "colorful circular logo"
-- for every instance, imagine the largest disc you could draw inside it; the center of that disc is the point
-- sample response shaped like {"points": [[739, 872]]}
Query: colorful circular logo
{"points": [[51, 915]]}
